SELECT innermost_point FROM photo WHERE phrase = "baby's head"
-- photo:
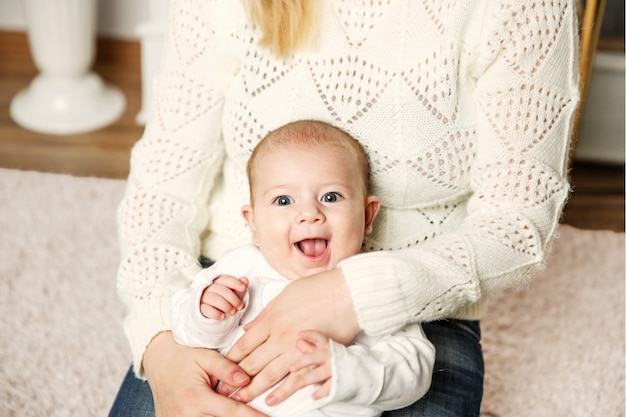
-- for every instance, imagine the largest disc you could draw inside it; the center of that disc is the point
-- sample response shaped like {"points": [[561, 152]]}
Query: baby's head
{"points": [[309, 202], [310, 136]]}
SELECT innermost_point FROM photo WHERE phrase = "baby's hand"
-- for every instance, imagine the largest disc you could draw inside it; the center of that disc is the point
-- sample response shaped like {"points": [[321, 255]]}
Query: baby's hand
{"points": [[223, 297], [313, 367]]}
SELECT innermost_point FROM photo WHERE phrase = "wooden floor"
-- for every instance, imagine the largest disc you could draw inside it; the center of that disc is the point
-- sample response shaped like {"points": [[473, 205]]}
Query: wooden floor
{"points": [[597, 201]]}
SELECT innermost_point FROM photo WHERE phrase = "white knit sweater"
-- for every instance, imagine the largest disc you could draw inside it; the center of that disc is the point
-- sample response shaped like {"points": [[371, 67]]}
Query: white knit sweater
{"points": [[464, 107]]}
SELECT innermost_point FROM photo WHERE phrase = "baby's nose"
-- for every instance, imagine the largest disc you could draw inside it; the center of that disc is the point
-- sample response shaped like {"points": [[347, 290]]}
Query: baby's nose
{"points": [[310, 213]]}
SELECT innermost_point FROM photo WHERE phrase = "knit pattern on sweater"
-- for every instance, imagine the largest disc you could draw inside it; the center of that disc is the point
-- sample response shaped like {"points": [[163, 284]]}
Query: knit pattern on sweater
{"points": [[465, 110]]}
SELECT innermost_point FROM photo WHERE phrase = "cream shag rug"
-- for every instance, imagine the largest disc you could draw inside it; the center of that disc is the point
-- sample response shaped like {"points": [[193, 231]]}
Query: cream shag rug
{"points": [[555, 348]]}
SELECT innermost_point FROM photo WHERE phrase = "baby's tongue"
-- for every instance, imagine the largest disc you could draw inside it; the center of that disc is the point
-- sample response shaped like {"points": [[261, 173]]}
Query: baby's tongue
{"points": [[312, 247]]}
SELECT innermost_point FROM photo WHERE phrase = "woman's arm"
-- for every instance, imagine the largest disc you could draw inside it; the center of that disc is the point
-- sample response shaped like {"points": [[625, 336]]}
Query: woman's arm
{"points": [[174, 167], [525, 94]]}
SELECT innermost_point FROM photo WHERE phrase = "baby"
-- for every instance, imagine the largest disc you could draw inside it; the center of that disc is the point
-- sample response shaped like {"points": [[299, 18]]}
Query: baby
{"points": [[309, 209]]}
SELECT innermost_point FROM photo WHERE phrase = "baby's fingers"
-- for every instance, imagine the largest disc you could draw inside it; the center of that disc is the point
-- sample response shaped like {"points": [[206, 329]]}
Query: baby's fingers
{"points": [[239, 285], [211, 312], [221, 299], [309, 340], [314, 359], [315, 348]]}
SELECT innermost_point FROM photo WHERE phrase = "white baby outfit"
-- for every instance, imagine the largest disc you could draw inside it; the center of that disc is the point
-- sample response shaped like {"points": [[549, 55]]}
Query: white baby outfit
{"points": [[373, 374]]}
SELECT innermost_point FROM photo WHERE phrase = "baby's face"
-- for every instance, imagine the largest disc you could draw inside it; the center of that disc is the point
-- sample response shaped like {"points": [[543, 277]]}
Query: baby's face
{"points": [[310, 209]]}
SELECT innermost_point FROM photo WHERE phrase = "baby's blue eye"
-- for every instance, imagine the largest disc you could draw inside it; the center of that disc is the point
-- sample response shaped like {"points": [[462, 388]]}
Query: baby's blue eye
{"points": [[283, 200], [331, 197]]}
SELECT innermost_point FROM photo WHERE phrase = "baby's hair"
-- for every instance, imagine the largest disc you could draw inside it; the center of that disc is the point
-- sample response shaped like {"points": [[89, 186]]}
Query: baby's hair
{"points": [[286, 25], [309, 134]]}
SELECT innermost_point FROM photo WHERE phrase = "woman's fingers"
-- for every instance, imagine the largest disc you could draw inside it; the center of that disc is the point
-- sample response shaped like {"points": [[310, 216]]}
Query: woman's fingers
{"points": [[182, 380], [300, 379], [222, 369], [275, 371], [315, 359], [227, 407], [251, 349], [254, 337], [268, 348], [248, 363]]}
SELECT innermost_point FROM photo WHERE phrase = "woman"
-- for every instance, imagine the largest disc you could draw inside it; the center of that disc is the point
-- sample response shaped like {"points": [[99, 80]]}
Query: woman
{"points": [[465, 110]]}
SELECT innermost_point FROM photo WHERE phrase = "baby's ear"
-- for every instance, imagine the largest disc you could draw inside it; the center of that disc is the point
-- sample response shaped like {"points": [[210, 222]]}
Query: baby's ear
{"points": [[372, 205], [248, 214]]}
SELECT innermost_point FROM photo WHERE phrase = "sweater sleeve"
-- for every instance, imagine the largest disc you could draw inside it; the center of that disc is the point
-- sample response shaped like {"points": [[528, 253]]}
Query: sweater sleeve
{"points": [[174, 167], [525, 92]]}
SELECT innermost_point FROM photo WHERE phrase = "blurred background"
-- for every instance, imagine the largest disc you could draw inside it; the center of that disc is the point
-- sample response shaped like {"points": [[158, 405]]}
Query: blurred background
{"points": [[116, 18]]}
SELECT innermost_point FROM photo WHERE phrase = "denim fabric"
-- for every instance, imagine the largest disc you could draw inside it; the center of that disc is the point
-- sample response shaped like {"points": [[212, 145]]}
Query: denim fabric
{"points": [[134, 399], [456, 389], [457, 386]]}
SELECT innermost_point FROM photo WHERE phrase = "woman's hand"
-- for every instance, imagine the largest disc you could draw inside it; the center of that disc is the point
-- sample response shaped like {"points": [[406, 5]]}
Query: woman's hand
{"points": [[314, 367], [182, 380], [268, 349]]}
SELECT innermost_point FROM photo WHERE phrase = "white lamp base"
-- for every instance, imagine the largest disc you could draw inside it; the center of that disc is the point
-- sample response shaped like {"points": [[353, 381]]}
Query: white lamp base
{"points": [[67, 105]]}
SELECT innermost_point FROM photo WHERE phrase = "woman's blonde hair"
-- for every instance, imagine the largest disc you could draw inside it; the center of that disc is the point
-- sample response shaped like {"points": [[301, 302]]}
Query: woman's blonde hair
{"points": [[286, 24]]}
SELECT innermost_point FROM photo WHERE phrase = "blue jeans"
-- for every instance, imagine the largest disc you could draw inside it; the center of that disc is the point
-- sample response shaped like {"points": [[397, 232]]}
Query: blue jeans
{"points": [[456, 390], [457, 386]]}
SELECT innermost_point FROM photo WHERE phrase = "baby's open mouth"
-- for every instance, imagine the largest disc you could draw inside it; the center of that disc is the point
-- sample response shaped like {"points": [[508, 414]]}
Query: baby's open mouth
{"points": [[312, 247]]}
